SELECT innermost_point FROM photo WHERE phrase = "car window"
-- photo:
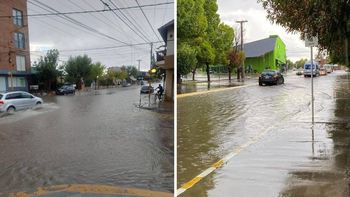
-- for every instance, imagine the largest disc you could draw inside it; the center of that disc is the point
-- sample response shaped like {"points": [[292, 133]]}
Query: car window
{"points": [[270, 72], [13, 96], [26, 95], [0, 96]]}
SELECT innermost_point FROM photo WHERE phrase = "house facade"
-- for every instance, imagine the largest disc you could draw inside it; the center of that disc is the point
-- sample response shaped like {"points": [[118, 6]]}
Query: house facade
{"points": [[269, 53], [14, 46], [165, 58]]}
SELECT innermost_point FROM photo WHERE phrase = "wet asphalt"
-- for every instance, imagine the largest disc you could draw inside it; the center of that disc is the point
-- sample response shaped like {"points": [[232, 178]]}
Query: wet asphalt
{"points": [[290, 158], [97, 137]]}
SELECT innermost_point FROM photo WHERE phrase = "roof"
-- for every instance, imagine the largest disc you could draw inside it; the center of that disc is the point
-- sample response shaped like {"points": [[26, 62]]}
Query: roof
{"points": [[163, 30], [260, 47]]}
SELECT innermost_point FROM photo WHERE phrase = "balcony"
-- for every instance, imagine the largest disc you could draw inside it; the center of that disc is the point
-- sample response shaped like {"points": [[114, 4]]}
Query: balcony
{"points": [[161, 55]]}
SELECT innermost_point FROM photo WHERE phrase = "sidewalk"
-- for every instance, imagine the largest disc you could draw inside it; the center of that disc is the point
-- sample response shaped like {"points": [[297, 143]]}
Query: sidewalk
{"points": [[201, 85], [216, 81]]}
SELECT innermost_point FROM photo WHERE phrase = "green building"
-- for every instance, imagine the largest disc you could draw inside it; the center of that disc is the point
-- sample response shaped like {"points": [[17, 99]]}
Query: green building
{"points": [[269, 53]]}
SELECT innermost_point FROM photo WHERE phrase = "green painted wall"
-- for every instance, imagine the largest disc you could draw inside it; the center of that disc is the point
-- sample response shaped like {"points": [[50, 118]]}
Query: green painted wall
{"points": [[271, 60]]}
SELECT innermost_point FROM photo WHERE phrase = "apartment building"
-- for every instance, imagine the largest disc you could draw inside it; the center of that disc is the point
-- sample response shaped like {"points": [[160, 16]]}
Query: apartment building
{"points": [[165, 58], [14, 46]]}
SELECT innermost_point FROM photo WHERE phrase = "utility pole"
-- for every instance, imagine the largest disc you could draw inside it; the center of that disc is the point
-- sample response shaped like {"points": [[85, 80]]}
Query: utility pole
{"points": [[139, 64], [151, 56], [241, 23]]}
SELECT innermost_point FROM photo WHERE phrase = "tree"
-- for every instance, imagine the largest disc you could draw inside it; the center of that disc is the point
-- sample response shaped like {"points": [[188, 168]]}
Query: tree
{"points": [[122, 75], [213, 21], [96, 72], [78, 68], [201, 34], [191, 25], [47, 69], [235, 58], [132, 71], [205, 55], [290, 63], [328, 19], [300, 63], [191, 20], [186, 60]]}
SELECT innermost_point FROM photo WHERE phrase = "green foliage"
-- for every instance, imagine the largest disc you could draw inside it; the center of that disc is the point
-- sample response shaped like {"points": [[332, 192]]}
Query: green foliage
{"points": [[122, 75], [300, 63], [329, 19], [235, 57], [131, 71], [223, 43], [96, 71], [205, 52], [191, 20], [47, 69], [202, 40], [186, 58], [290, 64], [78, 68]]}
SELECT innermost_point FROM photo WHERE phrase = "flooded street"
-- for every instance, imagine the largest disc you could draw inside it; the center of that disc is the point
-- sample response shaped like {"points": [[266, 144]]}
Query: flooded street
{"points": [[268, 132], [98, 137]]}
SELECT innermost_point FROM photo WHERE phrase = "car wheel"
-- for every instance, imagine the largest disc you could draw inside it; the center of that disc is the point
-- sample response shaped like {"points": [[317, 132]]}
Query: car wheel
{"points": [[282, 80], [38, 103], [260, 84], [11, 109]]}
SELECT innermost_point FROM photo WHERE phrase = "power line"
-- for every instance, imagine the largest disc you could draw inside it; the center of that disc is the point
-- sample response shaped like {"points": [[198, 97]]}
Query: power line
{"points": [[128, 15], [103, 48], [88, 11], [108, 19], [147, 19], [137, 33], [78, 23]]}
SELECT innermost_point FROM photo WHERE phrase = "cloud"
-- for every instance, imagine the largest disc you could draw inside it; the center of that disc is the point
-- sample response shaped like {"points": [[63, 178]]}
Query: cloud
{"points": [[56, 32], [259, 27]]}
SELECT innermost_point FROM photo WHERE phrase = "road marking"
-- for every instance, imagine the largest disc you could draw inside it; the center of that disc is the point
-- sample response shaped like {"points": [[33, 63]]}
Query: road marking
{"points": [[212, 91], [92, 189], [221, 162]]}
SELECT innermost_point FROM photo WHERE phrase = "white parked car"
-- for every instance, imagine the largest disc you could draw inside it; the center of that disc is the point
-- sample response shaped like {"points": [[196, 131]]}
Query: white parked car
{"points": [[18, 100]]}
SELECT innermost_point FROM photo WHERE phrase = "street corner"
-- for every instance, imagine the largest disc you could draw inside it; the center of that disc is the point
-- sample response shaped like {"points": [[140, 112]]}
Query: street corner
{"points": [[87, 190]]}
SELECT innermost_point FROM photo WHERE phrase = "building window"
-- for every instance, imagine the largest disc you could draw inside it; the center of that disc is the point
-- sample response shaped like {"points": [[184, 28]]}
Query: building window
{"points": [[19, 40], [21, 63], [17, 17], [18, 82]]}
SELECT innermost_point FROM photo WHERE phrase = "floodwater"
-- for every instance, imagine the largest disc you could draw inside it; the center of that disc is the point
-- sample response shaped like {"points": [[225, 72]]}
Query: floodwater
{"points": [[289, 158], [97, 137]]}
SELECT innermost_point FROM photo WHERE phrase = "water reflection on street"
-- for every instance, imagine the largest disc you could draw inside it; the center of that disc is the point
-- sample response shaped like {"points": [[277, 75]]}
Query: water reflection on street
{"points": [[91, 138], [291, 159]]}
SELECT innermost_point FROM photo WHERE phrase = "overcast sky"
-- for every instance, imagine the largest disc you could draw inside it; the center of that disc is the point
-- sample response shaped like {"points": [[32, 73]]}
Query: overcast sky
{"points": [[48, 32], [259, 27]]}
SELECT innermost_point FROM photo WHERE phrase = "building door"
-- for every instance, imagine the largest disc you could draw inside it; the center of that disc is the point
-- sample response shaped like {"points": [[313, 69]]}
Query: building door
{"points": [[2, 84]]}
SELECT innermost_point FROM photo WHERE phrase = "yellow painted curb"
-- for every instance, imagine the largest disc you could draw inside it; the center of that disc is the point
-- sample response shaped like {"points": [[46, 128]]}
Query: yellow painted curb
{"points": [[192, 182], [92, 189], [218, 164]]}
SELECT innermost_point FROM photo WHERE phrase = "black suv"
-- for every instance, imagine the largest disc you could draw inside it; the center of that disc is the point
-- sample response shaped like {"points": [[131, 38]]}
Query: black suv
{"points": [[66, 89], [271, 77]]}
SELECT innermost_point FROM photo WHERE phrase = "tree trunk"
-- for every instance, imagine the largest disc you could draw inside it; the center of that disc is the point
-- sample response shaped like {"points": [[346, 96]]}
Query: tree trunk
{"points": [[208, 74], [238, 74], [229, 74], [194, 73], [179, 81]]}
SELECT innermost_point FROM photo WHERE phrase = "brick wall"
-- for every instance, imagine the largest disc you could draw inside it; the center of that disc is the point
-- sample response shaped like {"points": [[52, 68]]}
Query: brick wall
{"points": [[7, 29]]}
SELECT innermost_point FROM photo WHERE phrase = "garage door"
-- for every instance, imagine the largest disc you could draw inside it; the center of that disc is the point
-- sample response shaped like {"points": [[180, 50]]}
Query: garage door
{"points": [[2, 84]]}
